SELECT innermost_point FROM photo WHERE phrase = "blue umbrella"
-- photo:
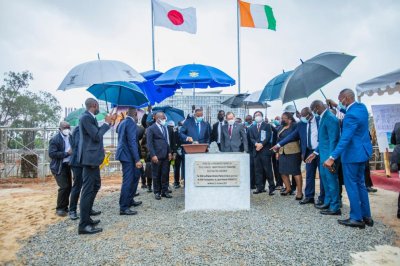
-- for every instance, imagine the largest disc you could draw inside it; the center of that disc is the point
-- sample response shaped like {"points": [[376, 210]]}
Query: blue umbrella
{"points": [[173, 114], [313, 74], [272, 91], [154, 93], [194, 76], [119, 93]]}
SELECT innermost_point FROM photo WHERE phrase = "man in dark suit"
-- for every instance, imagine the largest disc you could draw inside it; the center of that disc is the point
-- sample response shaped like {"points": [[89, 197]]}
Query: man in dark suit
{"points": [[328, 137], [60, 153], [90, 156], [261, 137], [77, 170], [216, 128], [233, 136], [194, 129], [128, 154], [248, 123], [354, 149], [307, 132], [160, 154]]}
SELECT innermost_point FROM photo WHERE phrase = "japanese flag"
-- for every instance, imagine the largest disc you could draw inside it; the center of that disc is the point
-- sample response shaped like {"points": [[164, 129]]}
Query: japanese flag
{"points": [[180, 19]]}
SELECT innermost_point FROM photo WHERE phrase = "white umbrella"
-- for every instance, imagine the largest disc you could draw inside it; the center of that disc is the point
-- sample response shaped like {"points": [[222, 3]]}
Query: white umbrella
{"points": [[99, 71], [389, 83]]}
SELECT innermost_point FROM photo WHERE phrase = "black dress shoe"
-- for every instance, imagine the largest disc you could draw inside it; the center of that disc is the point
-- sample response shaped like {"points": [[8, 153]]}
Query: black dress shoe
{"points": [[166, 195], [135, 203], [352, 223], [73, 215], [169, 191], [307, 201], [271, 193], [61, 213], [285, 193], [94, 213], [144, 186], [157, 196], [368, 221], [329, 212], [127, 212], [257, 191], [149, 190], [177, 186], [94, 222], [137, 194], [319, 202], [253, 187], [371, 190], [89, 229], [322, 207]]}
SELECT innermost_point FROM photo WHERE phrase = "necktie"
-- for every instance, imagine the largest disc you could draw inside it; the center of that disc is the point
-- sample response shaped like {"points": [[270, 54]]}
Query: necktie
{"points": [[258, 127], [309, 146], [230, 131], [164, 133], [198, 128]]}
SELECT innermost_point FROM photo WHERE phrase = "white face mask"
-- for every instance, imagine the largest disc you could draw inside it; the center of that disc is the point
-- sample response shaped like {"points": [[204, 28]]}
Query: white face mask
{"points": [[66, 131], [258, 119], [231, 122]]}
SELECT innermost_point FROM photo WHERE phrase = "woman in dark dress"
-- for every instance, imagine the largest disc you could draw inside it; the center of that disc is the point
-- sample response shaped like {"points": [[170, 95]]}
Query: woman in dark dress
{"points": [[290, 157]]}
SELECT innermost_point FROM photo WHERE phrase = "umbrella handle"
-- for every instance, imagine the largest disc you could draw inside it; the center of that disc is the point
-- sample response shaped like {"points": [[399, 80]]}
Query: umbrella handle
{"points": [[295, 107], [323, 94], [105, 96]]}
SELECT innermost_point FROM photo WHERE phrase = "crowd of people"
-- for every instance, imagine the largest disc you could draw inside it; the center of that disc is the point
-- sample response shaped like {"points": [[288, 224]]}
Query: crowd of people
{"points": [[333, 138]]}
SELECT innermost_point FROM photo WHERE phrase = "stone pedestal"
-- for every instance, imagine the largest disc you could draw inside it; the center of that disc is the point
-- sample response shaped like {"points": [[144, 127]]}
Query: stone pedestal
{"points": [[217, 181]]}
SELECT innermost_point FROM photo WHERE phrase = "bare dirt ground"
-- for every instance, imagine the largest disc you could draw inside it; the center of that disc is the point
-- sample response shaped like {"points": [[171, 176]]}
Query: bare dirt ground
{"points": [[27, 206]]}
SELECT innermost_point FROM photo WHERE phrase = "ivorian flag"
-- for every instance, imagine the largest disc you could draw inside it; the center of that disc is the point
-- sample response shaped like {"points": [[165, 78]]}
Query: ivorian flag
{"points": [[256, 16], [181, 19]]}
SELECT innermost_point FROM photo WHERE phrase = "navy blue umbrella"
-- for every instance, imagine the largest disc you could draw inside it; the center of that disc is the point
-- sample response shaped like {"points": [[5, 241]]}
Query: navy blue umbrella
{"points": [[119, 93], [173, 114]]}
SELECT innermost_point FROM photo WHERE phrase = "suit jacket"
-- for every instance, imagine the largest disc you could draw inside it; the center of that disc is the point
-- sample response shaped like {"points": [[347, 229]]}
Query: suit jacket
{"points": [[127, 149], [328, 135], [354, 145], [214, 131], [255, 137], [57, 153], [74, 141], [157, 145], [300, 133], [189, 129], [173, 143], [91, 149], [236, 141]]}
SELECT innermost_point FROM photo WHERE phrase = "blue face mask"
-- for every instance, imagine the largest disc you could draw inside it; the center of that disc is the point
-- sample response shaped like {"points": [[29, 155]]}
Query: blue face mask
{"points": [[254, 122], [303, 119], [246, 124], [277, 123], [199, 119], [315, 114], [342, 106]]}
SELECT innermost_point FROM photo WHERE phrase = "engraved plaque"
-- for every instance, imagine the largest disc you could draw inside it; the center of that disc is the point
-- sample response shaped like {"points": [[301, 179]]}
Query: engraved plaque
{"points": [[217, 174]]}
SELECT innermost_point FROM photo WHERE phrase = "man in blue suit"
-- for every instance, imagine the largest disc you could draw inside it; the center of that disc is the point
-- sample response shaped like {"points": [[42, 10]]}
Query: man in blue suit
{"points": [[328, 137], [355, 149], [307, 132], [158, 144], [127, 153], [194, 129], [90, 156]]}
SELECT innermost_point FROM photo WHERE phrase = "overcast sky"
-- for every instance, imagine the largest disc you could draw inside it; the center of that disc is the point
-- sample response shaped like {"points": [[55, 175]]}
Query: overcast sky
{"points": [[50, 37]]}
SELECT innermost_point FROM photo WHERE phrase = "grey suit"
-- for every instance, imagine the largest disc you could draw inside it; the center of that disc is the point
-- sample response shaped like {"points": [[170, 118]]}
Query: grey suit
{"points": [[90, 155], [235, 142]]}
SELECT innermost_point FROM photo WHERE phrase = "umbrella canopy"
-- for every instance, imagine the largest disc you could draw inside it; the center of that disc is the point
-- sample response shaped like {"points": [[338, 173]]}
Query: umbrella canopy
{"points": [[99, 71], [389, 83], [313, 74], [119, 93], [272, 91], [173, 114], [154, 93], [235, 101], [194, 76], [253, 101], [73, 117]]}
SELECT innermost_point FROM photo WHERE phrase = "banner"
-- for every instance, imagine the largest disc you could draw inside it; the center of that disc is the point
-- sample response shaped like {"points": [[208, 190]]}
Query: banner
{"points": [[385, 117]]}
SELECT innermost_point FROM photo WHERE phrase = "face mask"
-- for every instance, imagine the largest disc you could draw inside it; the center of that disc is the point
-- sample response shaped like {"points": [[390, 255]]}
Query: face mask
{"points": [[66, 131], [315, 114], [277, 123], [246, 124], [231, 122], [258, 119], [342, 106], [254, 123], [284, 123], [199, 119], [96, 112], [162, 122]]}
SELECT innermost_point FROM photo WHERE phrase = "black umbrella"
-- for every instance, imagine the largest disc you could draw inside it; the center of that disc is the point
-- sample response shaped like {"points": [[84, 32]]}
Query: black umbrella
{"points": [[235, 101]]}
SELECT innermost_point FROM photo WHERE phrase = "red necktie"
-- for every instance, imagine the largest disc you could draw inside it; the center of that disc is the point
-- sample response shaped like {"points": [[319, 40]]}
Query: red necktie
{"points": [[230, 131]]}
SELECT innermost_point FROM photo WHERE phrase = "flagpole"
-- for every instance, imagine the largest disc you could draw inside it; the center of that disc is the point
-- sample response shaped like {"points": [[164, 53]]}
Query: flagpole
{"points": [[238, 41], [152, 35]]}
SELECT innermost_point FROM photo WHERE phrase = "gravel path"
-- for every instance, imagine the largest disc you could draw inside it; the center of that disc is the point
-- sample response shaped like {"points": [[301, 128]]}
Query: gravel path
{"points": [[277, 230]]}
